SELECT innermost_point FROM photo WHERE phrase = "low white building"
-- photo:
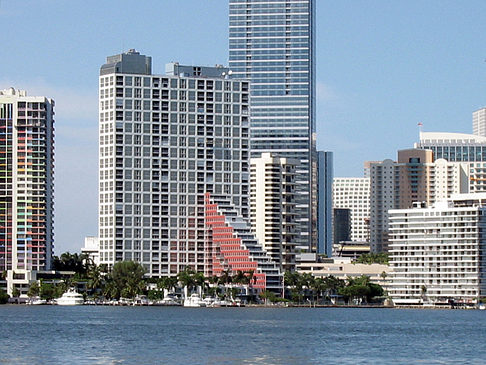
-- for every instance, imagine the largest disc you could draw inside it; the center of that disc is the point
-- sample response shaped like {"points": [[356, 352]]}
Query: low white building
{"points": [[343, 268], [436, 253], [92, 249]]}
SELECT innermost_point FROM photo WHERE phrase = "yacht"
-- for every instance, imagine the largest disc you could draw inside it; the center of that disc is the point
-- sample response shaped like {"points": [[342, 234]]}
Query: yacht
{"points": [[169, 300], [194, 301], [37, 301], [71, 297]]}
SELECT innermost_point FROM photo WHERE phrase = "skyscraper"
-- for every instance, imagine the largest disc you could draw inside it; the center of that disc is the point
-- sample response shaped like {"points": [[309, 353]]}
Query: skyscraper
{"points": [[166, 141], [271, 43], [26, 185], [272, 207]]}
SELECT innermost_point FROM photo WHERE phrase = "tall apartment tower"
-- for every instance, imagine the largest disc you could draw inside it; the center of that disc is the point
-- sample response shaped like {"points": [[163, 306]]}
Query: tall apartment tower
{"points": [[26, 185], [479, 122], [166, 141], [353, 193], [271, 43], [272, 207], [414, 178]]}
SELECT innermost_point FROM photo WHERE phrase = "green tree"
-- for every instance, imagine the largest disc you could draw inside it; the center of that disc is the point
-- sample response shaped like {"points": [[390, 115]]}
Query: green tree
{"points": [[34, 290], [186, 278], [49, 291], [128, 279], [79, 263], [373, 258], [95, 279], [15, 292], [3, 297], [268, 296]]}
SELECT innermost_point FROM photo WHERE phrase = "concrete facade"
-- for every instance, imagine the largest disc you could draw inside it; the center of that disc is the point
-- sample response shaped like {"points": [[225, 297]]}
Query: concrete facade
{"points": [[166, 141], [27, 186], [272, 207], [437, 253]]}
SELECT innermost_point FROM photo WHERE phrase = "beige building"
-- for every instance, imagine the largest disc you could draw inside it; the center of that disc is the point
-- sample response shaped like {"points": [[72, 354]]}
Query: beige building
{"points": [[272, 207], [343, 268], [415, 177]]}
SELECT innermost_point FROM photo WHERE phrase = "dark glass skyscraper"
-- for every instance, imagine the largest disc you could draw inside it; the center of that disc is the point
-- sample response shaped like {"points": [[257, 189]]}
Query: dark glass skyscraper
{"points": [[271, 43]]}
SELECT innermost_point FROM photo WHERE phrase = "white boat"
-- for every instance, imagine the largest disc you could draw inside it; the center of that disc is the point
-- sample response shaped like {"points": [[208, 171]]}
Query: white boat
{"points": [[482, 306], [37, 301], [71, 297], [169, 300], [194, 301]]}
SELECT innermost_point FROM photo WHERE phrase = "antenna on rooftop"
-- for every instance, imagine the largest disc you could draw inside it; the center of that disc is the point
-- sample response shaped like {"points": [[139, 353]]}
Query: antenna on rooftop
{"points": [[420, 125]]}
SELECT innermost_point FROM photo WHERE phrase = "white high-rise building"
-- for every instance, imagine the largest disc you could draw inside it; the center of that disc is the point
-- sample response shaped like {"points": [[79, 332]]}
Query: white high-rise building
{"points": [[479, 122], [437, 254], [26, 185], [272, 207], [166, 141], [354, 193]]}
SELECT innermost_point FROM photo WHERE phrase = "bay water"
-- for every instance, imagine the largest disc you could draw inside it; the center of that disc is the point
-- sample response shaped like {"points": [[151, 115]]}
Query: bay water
{"points": [[175, 335]]}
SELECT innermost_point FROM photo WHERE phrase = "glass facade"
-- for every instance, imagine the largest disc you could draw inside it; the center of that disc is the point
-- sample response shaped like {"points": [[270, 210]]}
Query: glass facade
{"points": [[458, 153], [271, 44]]}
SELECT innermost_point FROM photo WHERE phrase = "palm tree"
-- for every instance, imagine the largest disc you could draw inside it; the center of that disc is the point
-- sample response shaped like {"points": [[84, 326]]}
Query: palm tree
{"points": [[225, 277], [186, 279], [200, 281], [95, 280]]}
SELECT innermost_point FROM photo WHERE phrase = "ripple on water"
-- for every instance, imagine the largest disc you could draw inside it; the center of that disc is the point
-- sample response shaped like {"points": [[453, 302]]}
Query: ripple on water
{"points": [[155, 335]]}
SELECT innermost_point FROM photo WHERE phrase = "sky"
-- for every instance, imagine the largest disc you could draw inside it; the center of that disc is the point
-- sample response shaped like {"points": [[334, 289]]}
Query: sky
{"points": [[382, 67]]}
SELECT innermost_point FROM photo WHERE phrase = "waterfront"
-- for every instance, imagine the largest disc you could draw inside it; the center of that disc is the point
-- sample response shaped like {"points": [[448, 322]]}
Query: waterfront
{"points": [[161, 335]]}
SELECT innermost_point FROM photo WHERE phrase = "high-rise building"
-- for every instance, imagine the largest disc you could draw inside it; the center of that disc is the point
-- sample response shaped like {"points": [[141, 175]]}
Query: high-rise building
{"points": [[468, 149], [454, 147], [166, 141], [325, 173], [414, 178], [272, 207], [271, 43], [26, 186], [231, 246], [354, 193], [479, 122], [437, 252]]}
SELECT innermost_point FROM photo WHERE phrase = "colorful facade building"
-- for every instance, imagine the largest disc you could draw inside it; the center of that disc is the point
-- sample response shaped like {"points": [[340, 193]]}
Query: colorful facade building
{"points": [[232, 247], [26, 185]]}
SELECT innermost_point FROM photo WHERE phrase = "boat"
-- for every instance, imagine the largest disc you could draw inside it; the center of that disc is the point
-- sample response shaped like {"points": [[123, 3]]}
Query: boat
{"points": [[169, 300], [71, 297], [482, 306], [194, 301], [37, 301]]}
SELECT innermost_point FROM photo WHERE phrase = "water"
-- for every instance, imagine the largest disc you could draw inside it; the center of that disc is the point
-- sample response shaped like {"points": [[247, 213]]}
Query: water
{"points": [[164, 335]]}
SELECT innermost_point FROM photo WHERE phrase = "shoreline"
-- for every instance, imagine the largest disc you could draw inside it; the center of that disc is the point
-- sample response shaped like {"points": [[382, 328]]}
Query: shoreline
{"points": [[366, 306]]}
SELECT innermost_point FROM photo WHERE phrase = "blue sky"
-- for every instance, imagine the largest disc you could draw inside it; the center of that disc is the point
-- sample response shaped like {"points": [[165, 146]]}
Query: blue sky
{"points": [[382, 67]]}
